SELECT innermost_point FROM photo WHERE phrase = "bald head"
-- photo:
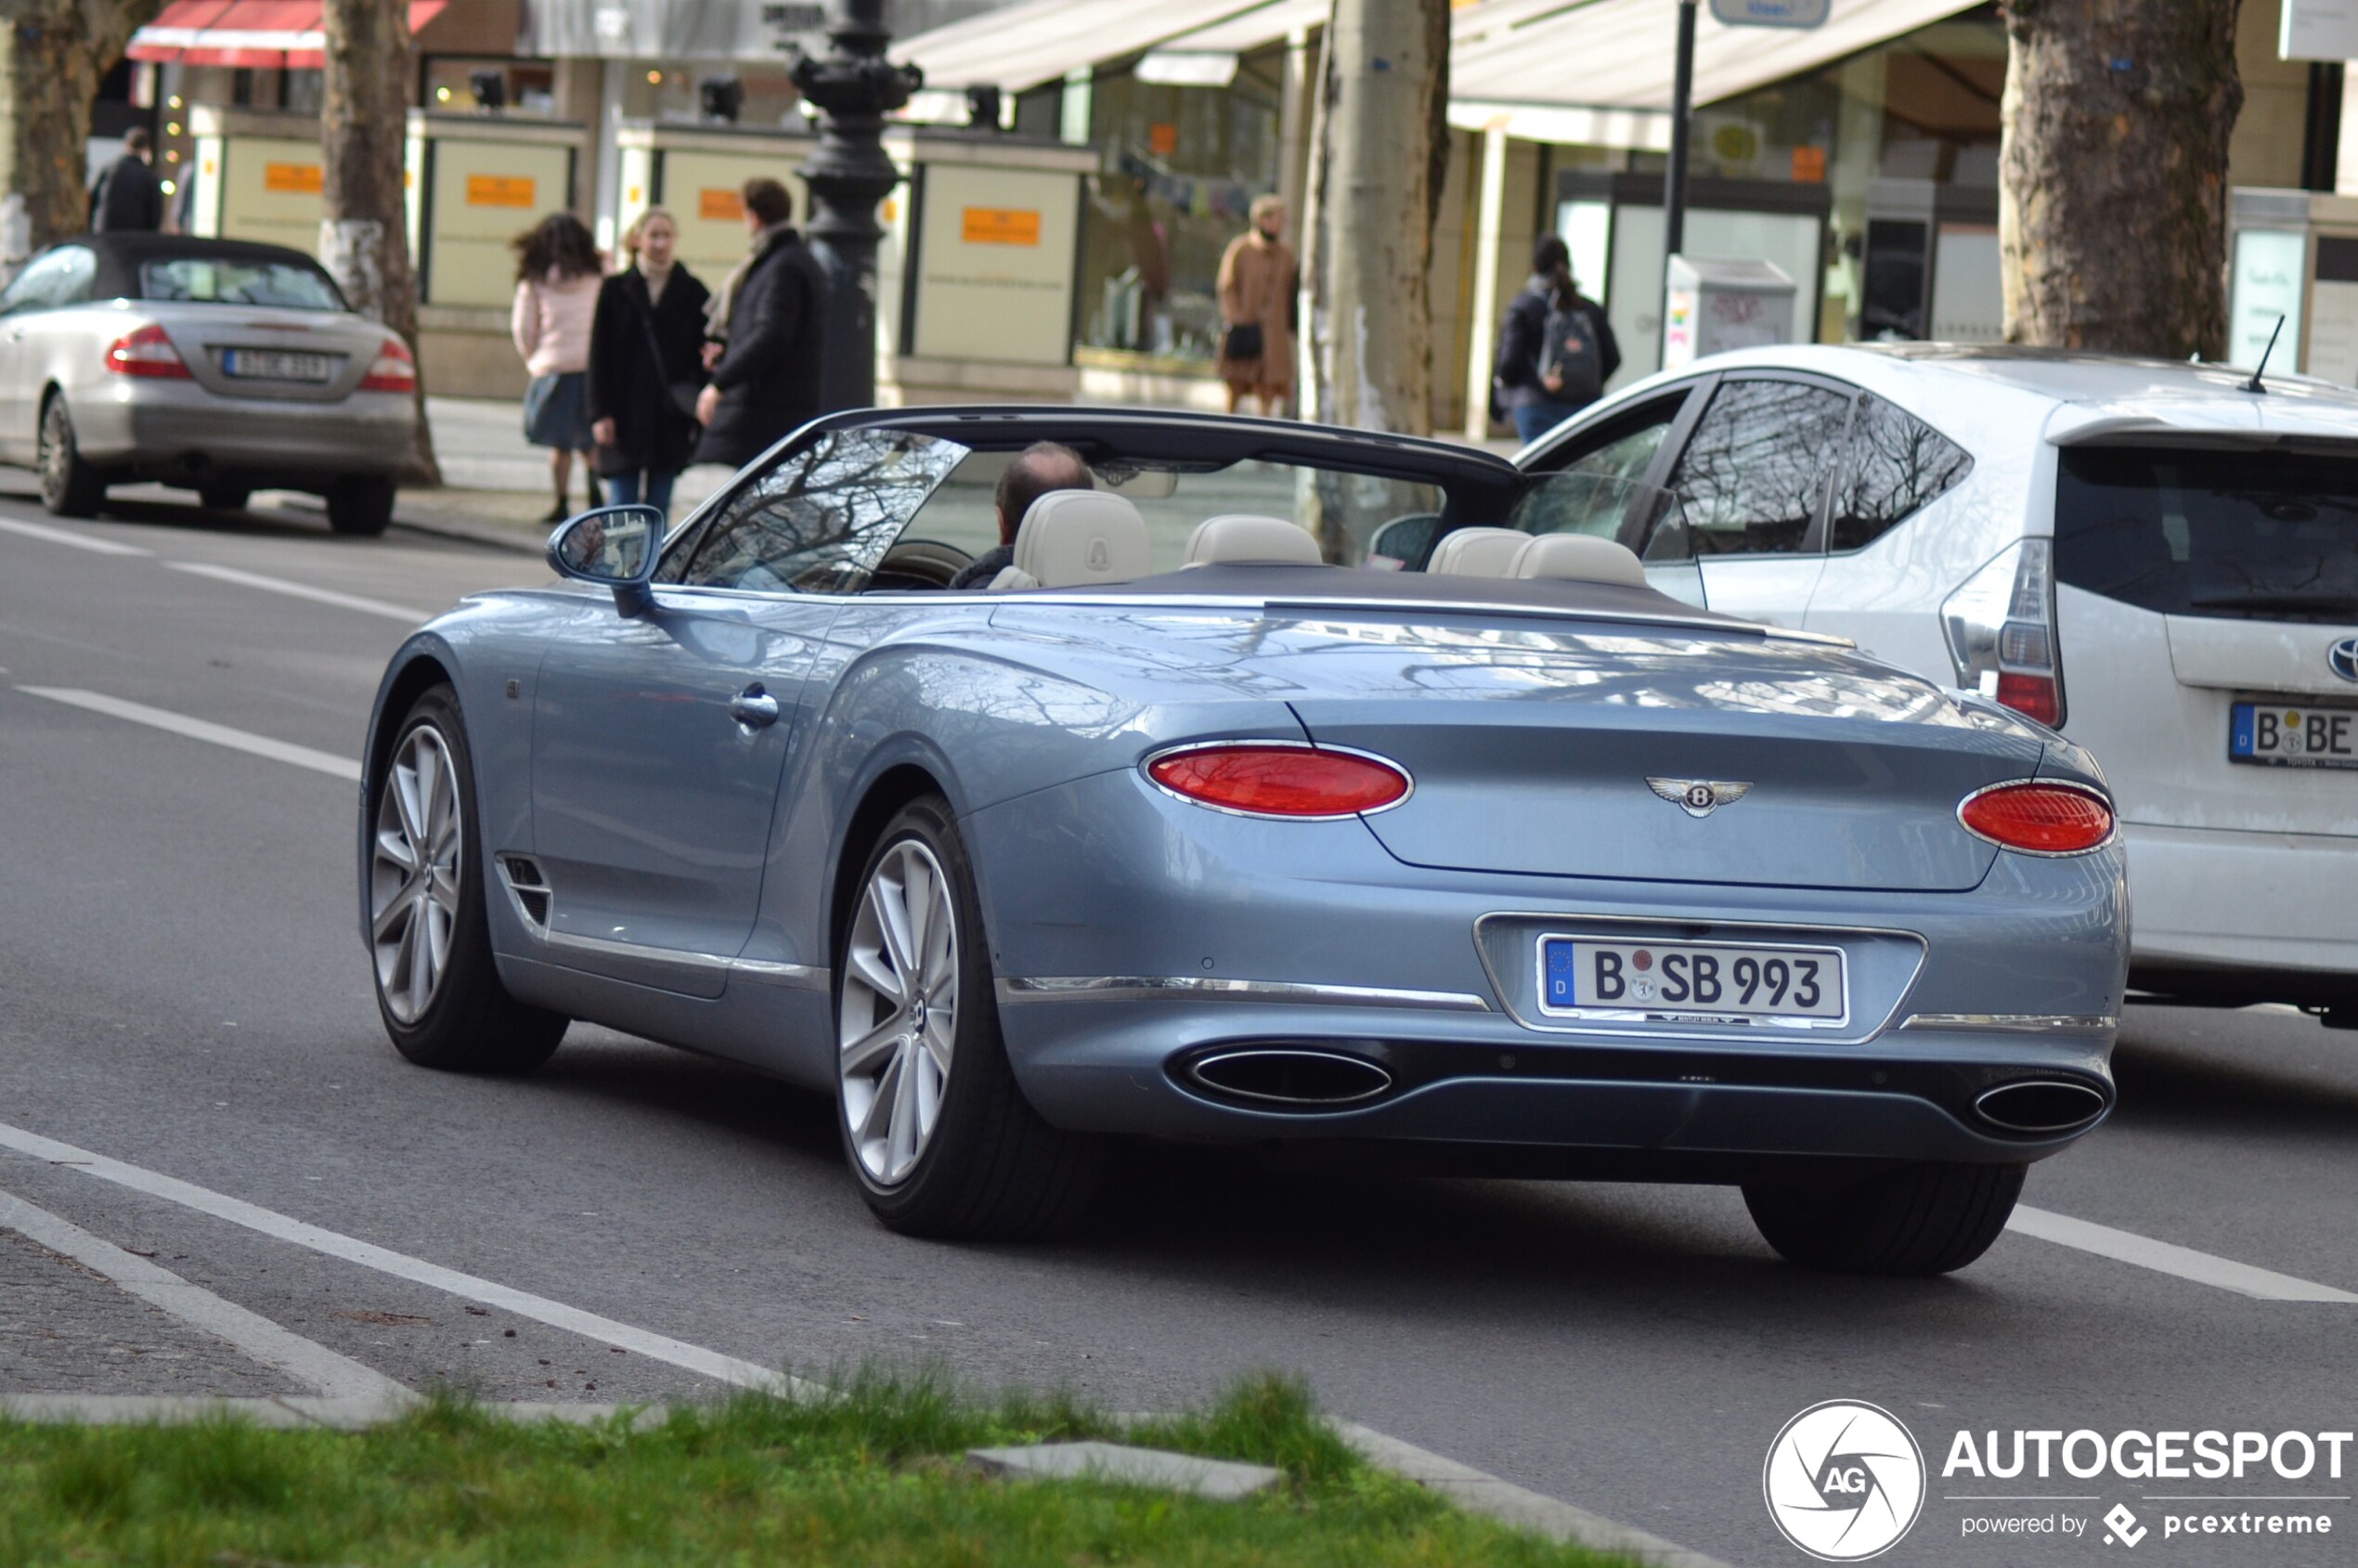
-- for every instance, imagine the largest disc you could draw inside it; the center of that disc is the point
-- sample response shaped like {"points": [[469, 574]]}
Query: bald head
{"points": [[1040, 468]]}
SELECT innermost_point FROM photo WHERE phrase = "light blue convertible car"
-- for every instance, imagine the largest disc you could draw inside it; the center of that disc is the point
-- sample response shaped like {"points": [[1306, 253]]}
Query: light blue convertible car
{"points": [[1476, 852]]}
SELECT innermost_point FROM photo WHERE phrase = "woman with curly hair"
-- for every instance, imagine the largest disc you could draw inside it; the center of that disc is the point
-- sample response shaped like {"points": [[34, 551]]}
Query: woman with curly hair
{"points": [[558, 275]]}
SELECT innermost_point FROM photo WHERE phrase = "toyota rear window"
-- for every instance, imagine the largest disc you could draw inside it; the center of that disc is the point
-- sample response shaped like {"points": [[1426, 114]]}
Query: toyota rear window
{"points": [[236, 280], [2256, 536]]}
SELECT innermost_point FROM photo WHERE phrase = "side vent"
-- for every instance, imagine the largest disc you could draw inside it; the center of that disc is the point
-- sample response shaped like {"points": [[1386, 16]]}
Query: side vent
{"points": [[530, 890]]}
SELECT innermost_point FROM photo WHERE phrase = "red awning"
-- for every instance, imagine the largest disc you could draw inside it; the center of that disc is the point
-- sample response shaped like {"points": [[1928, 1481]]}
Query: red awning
{"points": [[257, 34]]}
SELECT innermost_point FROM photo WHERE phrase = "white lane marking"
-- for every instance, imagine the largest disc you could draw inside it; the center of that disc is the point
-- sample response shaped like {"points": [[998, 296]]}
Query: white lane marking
{"points": [[307, 1362], [198, 729], [368, 1254], [391, 612], [2128, 1246], [65, 536]]}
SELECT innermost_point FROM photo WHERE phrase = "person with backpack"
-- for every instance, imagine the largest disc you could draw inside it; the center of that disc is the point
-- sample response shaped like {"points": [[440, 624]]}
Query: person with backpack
{"points": [[1556, 350]]}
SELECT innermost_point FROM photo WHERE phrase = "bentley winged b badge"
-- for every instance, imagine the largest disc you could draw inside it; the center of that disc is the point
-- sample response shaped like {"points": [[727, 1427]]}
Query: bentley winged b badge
{"points": [[1700, 798]]}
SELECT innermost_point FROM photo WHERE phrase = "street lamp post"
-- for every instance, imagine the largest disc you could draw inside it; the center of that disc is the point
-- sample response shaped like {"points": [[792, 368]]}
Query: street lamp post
{"points": [[847, 175], [1682, 93]]}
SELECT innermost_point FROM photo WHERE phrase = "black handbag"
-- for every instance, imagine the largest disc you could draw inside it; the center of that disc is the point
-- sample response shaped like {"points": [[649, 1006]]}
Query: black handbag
{"points": [[1242, 342]]}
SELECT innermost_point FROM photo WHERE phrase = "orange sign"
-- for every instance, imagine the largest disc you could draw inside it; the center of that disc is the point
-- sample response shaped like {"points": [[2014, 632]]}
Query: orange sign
{"points": [[1809, 165], [291, 179], [1000, 225], [720, 205], [1162, 139], [500, 191]]}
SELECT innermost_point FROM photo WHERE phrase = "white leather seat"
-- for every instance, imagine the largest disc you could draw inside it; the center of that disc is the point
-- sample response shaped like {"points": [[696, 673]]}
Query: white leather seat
{"points": [[1581, 558], [1074, 539], [1242, 540], [1477, 552]]}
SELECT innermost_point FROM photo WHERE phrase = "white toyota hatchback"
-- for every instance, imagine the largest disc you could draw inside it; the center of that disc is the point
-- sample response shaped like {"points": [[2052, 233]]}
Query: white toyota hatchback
{"points": [[2155, 558]]}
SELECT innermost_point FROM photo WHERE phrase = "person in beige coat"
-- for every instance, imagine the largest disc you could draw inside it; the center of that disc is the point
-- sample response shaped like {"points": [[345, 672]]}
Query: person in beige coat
{"points": [[1259, 278]]}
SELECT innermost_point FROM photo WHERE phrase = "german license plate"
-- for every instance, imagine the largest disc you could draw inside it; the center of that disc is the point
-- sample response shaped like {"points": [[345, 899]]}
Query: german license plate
{"points": [[277, 365], [2290, 736], [1710, 982]]}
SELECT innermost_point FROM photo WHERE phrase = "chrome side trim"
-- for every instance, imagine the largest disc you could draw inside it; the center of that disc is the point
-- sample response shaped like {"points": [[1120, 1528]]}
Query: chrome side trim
{"points": [[2015, 1023], [786, 977], [1134, 988]]}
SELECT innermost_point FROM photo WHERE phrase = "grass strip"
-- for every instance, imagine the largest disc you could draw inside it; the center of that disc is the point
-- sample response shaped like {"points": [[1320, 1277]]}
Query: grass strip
{"points": [[876, 1477]]}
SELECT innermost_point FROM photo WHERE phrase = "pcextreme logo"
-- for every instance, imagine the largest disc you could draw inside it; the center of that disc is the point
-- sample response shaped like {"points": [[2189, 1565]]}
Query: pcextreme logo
{"points": [[1845, 1481]]}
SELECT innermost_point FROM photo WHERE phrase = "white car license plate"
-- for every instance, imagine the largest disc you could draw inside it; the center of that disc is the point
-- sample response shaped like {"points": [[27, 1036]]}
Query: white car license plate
{"points": [[1705, 981], [278, 365], [2290, 736]]}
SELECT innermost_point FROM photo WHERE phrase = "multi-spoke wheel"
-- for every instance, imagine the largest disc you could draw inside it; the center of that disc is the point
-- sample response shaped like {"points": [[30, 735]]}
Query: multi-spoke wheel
{"points": [[439, 987], [900, 1025], [413, 880], [69, 487], [933, 1126]]}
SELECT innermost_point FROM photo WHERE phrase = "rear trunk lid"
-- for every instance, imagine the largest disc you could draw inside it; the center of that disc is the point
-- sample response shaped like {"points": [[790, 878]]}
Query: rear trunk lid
{"points": [[283, 355], [1658, 755]]}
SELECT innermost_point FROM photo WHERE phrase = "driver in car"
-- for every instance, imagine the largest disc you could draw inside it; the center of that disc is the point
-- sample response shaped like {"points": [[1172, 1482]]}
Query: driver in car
{"points": [[1040, 468]]}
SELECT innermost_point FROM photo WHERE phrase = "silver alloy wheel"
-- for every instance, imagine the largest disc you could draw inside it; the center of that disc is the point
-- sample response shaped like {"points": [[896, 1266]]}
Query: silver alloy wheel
{"points": [[56, 456], [414, 873], [899, 1015]]}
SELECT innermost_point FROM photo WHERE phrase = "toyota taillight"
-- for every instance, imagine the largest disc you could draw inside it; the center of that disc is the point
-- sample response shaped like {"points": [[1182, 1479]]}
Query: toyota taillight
{"points": [[2039, 818], [394, 369], [1261, 779], [2001, 627], [146, 352]]}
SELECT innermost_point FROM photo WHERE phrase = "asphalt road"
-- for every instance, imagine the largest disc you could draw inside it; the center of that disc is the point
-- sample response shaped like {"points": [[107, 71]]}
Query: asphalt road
{"points": [[181, 988]]}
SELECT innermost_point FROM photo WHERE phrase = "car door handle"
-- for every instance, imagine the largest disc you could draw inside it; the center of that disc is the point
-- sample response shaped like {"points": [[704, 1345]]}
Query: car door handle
{"points": [[754, 708]]}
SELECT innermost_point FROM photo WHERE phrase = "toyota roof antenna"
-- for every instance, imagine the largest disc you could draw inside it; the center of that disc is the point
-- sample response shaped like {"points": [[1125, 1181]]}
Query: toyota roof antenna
{"points": [[2253, 385]]}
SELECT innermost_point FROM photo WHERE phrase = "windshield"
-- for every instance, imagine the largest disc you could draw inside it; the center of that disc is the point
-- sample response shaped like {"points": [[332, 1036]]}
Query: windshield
{"points": [[283, 285], [2269, 535]]}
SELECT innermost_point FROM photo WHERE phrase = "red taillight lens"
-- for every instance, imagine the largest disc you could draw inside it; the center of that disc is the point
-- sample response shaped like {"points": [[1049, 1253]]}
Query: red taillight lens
{"points": [[146, 352], [394, 370], [2046, 819], [2036, 695], [1280, 780]]}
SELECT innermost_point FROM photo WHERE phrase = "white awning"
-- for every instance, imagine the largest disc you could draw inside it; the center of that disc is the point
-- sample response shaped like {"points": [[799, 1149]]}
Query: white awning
{"points": [[1621, 55], [1028, 45]]}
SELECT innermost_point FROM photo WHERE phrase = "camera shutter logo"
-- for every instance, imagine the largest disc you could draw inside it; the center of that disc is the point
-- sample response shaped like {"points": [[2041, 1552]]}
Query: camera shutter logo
{"points": [[1845, 1481]]}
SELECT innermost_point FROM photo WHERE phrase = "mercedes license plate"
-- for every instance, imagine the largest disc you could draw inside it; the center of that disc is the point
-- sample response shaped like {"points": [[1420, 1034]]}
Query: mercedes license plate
{"points": [[2289, 735], [1709, 983], [277, 365]]}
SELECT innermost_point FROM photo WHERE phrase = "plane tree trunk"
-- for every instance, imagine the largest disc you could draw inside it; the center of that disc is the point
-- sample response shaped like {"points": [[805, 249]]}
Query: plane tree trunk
{"points": [[52, 55], [364, 234], [2112, 215]]}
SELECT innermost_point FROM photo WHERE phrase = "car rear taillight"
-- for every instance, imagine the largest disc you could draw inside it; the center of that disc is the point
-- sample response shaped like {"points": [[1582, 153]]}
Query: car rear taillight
{"points": [[2001, 632], [393, 369], [1266, 779], [2038, 816], [146, 352]]}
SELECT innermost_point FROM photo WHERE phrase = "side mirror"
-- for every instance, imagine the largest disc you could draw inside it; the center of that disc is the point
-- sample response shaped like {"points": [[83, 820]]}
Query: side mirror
{"points": [[615, 546]]}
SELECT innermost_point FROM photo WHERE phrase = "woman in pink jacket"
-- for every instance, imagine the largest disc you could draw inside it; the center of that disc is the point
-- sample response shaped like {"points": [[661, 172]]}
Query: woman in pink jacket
{"points": [[557, 281]]}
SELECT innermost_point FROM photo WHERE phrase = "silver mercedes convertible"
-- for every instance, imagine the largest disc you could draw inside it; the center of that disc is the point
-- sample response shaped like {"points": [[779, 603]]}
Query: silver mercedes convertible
{"points": [[1288, 784]]}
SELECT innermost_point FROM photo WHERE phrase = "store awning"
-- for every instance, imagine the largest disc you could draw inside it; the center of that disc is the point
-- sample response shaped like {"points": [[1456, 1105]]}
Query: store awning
{"points": [[1618, 57], [1027, 46], [743, 31], [255, 34]]}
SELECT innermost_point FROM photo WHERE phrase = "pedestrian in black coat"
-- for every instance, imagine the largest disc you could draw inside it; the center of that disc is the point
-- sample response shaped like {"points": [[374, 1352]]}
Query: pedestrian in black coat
{"points": [[128, 198], [646, 365], [1528, 380], [768, 322]]}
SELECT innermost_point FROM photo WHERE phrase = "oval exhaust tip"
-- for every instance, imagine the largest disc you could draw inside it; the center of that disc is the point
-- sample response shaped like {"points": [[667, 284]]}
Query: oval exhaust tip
{"points": [[2040, 1104], [1292, 1077]]}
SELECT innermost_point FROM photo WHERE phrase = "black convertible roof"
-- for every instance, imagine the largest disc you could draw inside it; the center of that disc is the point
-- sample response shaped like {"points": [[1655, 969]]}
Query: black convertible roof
{"points": [[120, 253]]}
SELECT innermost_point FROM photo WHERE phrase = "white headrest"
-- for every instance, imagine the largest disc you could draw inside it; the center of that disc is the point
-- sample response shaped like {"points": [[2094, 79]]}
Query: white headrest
{"points": [[1581, 558], [1478, 553], [1242, 540], [1072, 539]]}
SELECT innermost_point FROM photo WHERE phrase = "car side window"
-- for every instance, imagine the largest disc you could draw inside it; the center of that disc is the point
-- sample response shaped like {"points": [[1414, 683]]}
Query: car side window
{"points": [[1896, 464], [1754, 473], [60, 276], [818, 519]]}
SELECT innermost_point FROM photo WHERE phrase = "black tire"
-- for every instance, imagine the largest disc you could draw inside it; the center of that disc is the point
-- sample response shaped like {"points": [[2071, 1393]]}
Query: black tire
{"points": [[69, 487], [224, 498], [1916, 1220], [466, 1022], [990, 1168], [360, 506]]}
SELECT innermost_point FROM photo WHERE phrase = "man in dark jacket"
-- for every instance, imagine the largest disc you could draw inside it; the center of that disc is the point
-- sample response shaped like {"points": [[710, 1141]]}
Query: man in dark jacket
{"points": [[1556, 350], [128, 197], [768, 321]]}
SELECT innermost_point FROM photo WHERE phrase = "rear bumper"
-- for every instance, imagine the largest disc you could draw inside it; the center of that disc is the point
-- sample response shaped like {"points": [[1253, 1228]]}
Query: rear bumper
{"points": [[179, 432], [2261, 916]]}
